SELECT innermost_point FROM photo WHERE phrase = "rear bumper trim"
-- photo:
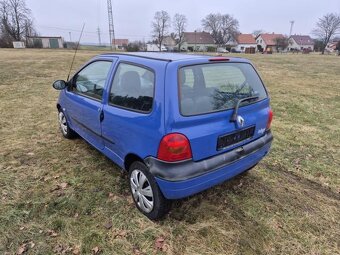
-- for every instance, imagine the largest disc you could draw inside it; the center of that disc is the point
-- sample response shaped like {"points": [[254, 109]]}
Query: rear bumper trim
{"points": [[184, 170]]}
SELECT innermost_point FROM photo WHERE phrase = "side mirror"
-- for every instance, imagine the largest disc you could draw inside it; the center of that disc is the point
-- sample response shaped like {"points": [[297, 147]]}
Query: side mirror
{"points": [[59, 85]]}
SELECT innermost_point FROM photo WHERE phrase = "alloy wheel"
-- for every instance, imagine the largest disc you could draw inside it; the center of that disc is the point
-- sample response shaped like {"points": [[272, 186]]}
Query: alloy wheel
{"points": [[62, 122]]}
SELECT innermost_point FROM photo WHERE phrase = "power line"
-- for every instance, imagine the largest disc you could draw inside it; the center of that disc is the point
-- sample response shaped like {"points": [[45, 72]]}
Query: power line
{"points": [[95, 33]]}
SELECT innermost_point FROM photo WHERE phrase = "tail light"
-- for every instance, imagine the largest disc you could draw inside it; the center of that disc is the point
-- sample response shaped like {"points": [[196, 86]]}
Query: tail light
{"points": [[270, 118], [174, 147]]}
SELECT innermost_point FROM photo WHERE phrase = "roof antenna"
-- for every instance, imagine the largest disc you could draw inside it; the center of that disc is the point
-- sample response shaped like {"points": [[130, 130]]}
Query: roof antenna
{"points": [[75, 53]]}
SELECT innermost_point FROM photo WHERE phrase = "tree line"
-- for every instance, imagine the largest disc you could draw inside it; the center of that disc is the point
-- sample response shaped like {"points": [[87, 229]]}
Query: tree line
{"points": [[224, 28], [16, 24]]}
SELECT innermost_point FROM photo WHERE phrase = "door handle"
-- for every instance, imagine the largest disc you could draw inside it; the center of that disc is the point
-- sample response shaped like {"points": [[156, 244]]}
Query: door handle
{"points": [[101, 115]]}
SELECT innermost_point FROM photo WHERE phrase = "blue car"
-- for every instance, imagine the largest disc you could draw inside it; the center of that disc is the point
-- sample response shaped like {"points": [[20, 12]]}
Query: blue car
{"points": [[177, 123]]}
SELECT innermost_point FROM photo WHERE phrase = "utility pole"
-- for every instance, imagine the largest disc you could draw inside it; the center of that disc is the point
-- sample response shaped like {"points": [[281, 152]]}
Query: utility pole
{"points": [[195, 40], [70, 36], [99, 37], [291, 27], [111, 27]]}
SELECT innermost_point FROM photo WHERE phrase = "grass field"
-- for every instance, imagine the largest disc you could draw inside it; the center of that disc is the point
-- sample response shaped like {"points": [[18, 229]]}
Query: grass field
{"points": [[63, 197]]}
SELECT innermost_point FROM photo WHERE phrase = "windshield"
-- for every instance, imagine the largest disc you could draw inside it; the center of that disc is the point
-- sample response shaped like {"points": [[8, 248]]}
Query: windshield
{"points": [[215, 87]]}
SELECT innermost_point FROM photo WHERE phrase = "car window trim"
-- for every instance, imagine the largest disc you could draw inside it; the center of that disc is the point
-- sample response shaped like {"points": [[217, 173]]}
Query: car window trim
{"points": [[153, 92], [76, 74], [217, 111]]}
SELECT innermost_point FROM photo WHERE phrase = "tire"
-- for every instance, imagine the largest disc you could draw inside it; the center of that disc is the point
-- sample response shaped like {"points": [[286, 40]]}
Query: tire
{"points": [[64, 126], [145, 192]]}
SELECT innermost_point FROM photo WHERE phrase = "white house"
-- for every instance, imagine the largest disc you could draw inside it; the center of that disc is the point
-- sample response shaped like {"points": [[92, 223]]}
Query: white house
{"points": [[300, 42], [245, 43], [267, 41], [53, 42], [154, 47], [197, 41], [169, 43]]}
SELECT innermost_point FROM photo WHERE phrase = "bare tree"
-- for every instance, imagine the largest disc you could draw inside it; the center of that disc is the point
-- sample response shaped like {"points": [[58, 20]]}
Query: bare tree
{"points": [[223, 28], [281, 43], [212, 23], [257, 32], [179, 24], [15, 21], [326, 28], [229, 27], [160, 27]]}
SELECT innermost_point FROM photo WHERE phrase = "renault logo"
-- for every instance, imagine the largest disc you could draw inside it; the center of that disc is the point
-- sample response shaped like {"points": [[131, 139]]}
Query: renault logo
{"points": [[240, 121]]}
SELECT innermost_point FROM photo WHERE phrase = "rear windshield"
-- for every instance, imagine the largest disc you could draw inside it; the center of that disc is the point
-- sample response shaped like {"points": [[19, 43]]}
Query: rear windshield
{"points": [[215, 87]]}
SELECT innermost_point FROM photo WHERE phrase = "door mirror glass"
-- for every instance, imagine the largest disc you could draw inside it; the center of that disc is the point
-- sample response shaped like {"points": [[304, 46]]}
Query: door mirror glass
{"points": [[59, 85]]}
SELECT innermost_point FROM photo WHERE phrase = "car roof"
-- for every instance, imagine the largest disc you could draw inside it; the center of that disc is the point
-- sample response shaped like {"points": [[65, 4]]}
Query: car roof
{"points": [[169, 57]]}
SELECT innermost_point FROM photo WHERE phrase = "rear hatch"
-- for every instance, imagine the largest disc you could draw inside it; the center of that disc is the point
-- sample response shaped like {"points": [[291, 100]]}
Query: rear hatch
{"points": [[207, 97]]}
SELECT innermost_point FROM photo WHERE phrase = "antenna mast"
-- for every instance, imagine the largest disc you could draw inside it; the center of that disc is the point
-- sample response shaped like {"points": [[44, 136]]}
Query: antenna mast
{"points": [[291, 27], [75, 53], [111, 27], [99, 36]]}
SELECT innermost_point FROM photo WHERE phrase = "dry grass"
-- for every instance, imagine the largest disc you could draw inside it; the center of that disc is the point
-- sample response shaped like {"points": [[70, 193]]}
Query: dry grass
{"points": [[289, 204]]}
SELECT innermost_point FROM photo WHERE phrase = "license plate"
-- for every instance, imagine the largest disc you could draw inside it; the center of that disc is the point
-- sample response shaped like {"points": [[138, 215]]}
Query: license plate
{"points": [[236, 137]]}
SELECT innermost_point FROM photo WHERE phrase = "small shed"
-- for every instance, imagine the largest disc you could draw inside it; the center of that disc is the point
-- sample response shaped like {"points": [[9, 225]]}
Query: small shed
{"points": [[19, 45], [53, 42]]}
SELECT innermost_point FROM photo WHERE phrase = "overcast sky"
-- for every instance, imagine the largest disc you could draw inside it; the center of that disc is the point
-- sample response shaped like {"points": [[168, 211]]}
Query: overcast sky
{"points": [[132, 18]]}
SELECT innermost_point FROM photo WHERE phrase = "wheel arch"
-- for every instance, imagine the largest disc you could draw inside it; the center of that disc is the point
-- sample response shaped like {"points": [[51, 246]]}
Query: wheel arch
{"points": [[129, 159]]}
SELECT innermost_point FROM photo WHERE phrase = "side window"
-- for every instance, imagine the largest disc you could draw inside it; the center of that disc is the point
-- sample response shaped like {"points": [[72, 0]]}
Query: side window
{"points": [[91, 80], [133, 88]]}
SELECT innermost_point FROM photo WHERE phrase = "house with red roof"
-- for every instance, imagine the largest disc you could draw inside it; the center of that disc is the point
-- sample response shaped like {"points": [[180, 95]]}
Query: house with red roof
{"points": [[197, 41], [300, 42], [245, 43], [267, 42], [120, 44]]}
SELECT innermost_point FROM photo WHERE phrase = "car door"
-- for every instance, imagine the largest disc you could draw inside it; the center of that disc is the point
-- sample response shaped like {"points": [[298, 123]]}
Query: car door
{"points": [[133, 112], [84, 100]]}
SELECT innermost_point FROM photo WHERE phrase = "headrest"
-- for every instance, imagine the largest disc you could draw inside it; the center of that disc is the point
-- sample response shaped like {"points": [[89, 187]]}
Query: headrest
{"points": [[131, 84]]}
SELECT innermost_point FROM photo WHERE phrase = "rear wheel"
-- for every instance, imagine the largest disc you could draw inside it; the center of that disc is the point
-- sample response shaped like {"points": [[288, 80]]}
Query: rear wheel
{"points": [[64, 127], [145, 192]]}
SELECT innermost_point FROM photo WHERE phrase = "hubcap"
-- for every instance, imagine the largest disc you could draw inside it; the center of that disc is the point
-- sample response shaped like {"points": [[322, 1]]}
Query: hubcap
{"points": [[62, 122], [141, 190]]}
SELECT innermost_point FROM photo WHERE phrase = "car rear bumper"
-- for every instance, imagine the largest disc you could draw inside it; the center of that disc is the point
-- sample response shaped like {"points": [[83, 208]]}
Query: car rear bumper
{"points": [[182, 179]]}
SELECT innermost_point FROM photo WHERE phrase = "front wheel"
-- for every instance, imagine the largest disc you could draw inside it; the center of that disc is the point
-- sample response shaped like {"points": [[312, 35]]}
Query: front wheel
{"points": [[64, 127], [145, 192]]}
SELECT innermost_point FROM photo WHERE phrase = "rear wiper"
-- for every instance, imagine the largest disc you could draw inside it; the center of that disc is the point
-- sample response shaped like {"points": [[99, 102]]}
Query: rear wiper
{"points": [[234, 116]]}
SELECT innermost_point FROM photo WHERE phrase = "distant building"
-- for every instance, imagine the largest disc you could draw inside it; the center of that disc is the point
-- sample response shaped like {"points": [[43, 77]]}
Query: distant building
{"points": [[245, 43], [331, 46], [19, 45], [120, 44], [300, 42], [169, 43], [154, 47], [197, 41], [53, 42], [267, 41]]}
